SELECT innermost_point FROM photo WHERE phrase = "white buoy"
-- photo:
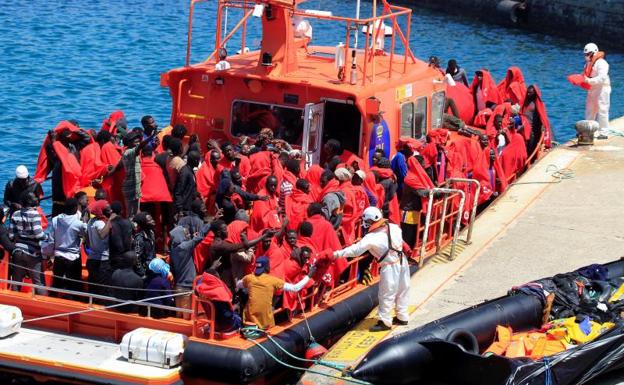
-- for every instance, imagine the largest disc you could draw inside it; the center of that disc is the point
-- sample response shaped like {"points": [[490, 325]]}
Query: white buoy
{"points": [[153, 347]]}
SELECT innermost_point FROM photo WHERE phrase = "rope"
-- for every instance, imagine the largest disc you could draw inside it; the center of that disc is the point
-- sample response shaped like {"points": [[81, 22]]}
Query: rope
{"points": [[81, 281], [548, 380], [305, 317], [104, 307], [559, 174], [255, 331]]}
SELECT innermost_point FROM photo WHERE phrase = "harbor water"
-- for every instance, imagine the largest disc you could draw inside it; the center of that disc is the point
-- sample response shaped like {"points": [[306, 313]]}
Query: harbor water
{"points": [[75, 60]]}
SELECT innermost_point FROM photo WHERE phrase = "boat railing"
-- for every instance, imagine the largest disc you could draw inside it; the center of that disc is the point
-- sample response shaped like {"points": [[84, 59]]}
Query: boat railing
{"points": [[390, 13], [475, 201], [440, 218]]}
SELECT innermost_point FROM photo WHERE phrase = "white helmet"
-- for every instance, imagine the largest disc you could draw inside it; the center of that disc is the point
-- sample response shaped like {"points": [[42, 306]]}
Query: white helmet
{"points": [[590, 48], [371, 215]]}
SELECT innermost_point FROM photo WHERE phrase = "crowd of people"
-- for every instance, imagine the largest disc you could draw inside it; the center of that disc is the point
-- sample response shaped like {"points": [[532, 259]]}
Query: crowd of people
{"points": [[169, 214]]}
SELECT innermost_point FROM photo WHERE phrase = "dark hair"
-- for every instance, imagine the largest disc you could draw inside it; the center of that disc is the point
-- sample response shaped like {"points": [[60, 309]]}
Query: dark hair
{"points": [[116, 207], [335, 146], [148, 150], [314, 208], [145, 119], [70, 206], [383, 163], [294, 166], [196, 206], [193, 158], [216, 225], [226, 144], [178, 131], [305, 248], [302, 184], [165, 141], [175, 145], [140, 219], [80, 194], [131, 137], [28, 199], [100, 194], [306, 228], [328, 175], [102, 137]]}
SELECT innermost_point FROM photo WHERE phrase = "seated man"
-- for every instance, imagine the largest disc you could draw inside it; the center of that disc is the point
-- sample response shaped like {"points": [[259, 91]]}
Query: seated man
{"points": [[210, 287], [261, 288], [159, 279]]}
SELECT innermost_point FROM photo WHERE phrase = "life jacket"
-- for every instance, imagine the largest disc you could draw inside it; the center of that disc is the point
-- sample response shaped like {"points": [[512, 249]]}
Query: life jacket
{"points": [[589, 66]]}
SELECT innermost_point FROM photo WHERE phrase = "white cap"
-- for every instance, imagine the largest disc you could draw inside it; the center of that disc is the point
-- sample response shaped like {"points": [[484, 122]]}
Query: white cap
{"points": [[21, 172], [361, 174], [342, 174]]}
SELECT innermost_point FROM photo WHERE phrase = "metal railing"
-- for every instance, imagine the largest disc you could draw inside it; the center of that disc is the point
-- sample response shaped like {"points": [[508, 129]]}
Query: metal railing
{"points": [[475, 202], [446, 192]]}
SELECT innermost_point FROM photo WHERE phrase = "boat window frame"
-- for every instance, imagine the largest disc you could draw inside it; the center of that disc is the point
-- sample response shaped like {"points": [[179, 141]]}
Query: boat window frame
{"points": [[402, 128], [423, 125], [230, 130], [441, 111]]}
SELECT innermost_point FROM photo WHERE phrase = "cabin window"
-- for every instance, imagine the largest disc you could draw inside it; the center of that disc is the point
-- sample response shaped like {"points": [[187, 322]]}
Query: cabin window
{"points": [[420, 118], [248, 118], [438, 101], [407, 119]]}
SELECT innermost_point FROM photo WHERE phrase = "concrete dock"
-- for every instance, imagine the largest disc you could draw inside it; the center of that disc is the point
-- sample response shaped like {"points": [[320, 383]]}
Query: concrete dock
{"points": [[563, 214]]}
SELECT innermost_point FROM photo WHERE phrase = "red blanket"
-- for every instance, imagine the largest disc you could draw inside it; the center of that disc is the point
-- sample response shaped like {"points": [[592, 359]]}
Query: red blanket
{"points": [[296, 206], [42, 170], [513, 87], [153, 183]]}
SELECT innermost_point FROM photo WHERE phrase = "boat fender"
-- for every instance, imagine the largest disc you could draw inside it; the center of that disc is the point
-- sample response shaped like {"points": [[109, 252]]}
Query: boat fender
{"points": [[512, 10], [464, 339], [10, 320], [315, 351]]}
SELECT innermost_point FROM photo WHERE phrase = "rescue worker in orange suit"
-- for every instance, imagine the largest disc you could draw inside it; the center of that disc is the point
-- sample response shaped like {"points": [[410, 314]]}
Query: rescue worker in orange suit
{"points": [[599, 95], [385, 242]]}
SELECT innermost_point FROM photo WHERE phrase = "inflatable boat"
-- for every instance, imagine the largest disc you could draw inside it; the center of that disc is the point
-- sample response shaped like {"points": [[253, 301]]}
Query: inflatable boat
{"points": [[579, 313]]}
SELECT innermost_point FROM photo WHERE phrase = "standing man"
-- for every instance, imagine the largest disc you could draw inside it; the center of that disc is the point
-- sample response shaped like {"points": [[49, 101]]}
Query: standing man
{"points": [[131, 186], [599, 95], [385, 242], [66, 233], [16, 187]]}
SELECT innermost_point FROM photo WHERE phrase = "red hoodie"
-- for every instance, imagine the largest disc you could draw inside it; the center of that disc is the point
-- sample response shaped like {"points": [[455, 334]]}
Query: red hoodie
{"points": [[513, 86]]}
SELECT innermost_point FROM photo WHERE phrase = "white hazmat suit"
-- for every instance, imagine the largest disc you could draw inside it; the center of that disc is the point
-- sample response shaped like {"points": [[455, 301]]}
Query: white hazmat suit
{"points": [[599, 96], [394, 272]]}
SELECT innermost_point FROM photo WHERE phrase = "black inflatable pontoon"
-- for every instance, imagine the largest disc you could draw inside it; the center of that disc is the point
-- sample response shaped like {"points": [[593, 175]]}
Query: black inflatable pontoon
{"points": [[446, 351]]}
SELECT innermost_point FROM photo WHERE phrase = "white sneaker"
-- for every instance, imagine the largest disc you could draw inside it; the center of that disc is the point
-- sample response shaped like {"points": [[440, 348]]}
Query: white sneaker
{"points": [[601, 134]]}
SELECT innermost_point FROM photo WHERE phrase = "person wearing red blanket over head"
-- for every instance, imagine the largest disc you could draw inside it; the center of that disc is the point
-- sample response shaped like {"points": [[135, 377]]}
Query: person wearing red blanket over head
{"points": [[332, 198], [265, 213], [512, 88], [154, 192], [297, 203], [535, 120], [263, 165], [323, 236], [484, 91], [514, 154], [313, 175], [208, 177], [60, 154], [352, 210], [414, 199], [488, 171], [110, 154], [211, 288]]}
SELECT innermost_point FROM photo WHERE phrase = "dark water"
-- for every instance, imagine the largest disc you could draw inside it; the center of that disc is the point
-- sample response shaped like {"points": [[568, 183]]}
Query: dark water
{"points": [[82, 60]]}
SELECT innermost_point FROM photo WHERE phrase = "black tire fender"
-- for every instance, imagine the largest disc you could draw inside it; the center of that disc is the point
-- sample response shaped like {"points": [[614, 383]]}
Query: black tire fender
{"points": [[464, 339]]}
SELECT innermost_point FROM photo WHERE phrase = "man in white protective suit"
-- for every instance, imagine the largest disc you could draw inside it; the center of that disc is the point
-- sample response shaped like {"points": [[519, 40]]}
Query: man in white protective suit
{"points": [[385, 242], [599, 95]]}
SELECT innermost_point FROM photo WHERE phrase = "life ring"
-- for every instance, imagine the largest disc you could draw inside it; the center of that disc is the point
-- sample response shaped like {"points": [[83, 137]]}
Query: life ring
{"points": [[464, 339]]}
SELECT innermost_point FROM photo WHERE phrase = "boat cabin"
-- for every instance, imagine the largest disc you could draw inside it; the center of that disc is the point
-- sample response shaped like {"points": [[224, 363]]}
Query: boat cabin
{"points": [[365, 96]]}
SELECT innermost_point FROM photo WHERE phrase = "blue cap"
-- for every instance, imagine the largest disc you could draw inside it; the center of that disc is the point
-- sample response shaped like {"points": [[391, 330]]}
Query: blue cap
{"points": [[159, 266], [262, 264]]}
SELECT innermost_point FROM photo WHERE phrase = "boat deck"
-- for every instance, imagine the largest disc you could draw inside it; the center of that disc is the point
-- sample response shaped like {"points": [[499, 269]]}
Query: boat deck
{"points": [[88, 360], [541, 226]]}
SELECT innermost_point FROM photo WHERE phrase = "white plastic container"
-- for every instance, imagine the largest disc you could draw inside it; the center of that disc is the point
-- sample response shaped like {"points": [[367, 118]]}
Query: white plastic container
{"points": [[153, 347], [10, 320]]}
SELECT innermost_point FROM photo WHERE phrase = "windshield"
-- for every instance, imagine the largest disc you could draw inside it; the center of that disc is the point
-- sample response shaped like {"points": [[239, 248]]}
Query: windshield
{"points": [[248, 118]]}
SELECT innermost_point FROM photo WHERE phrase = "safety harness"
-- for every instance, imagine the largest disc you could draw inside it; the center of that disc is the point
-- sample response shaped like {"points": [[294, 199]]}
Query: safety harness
{"points": [[390, 248]]}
